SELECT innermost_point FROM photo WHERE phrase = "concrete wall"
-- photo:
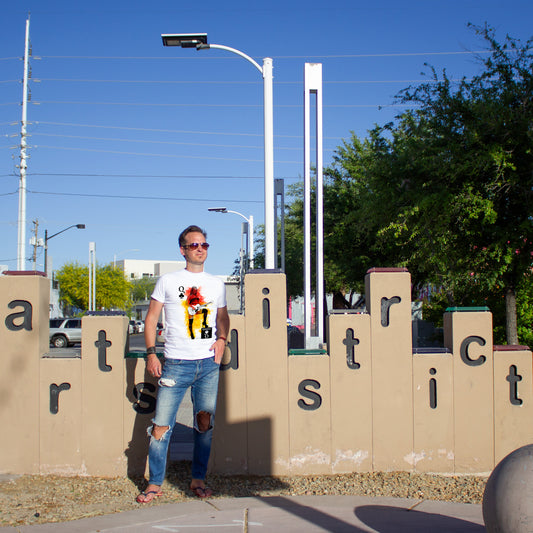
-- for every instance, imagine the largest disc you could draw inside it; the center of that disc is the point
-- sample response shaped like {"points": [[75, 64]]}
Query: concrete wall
{"points": [[369, 402]]}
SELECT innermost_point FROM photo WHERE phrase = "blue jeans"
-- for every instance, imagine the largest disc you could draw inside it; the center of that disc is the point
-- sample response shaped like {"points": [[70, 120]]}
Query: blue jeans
{"points": [[177, 376]]}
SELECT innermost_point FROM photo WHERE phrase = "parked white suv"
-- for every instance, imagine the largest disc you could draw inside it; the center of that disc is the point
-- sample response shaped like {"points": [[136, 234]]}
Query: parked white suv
{"points": [[65, 332]]}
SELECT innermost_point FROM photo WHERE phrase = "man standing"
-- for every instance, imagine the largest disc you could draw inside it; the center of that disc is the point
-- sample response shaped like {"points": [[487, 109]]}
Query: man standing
{"points": [[196, 328]]}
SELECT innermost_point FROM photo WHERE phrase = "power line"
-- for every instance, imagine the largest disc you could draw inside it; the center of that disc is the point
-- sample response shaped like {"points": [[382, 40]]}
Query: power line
{"points": [[177, 143], [166, 176], [158, 198], [159, 155], [284, 106], [228, 82], [159, 130], [326, 56]]}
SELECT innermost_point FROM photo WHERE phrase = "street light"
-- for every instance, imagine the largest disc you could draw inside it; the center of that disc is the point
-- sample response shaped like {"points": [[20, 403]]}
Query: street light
{"points": [[47, 238], [199, 41], [250, 230]]}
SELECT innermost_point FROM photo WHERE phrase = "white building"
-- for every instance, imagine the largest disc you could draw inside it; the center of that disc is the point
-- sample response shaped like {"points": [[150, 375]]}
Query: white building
{"points": [[144, 268]]}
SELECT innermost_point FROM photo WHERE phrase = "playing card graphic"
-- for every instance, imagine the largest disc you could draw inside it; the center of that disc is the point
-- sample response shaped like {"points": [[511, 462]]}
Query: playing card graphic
{"points": [[196, 313]]}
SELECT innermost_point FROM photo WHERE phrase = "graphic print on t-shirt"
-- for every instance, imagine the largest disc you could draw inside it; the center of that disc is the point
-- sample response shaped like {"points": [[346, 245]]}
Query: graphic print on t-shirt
{"points": [[196, 312]]}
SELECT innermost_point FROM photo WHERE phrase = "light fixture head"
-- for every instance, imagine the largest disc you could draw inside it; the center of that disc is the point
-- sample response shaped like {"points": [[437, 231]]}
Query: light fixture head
{"points": [[218, 209], [80, 226], [185, 40]]}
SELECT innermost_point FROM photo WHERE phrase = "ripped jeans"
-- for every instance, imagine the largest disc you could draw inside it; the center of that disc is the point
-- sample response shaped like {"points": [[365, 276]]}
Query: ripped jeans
{"points": [[177, 376]]}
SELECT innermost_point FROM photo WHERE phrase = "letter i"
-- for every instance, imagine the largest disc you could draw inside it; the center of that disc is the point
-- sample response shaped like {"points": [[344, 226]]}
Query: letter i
{"points": [[432, 390]]}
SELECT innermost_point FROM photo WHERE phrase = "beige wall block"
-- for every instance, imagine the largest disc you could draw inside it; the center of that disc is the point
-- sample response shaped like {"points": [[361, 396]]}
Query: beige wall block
{"points": [[61, 417], [24, 316], [468, 334], [388, 297], [309, 414], [267, 373], [230, 446], [351, 392], [103, 375], [513, 399], [433, 412], [140, 397]]}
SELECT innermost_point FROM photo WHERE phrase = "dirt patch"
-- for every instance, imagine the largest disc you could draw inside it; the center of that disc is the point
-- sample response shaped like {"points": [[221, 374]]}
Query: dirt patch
{"points": [[39, 499]]}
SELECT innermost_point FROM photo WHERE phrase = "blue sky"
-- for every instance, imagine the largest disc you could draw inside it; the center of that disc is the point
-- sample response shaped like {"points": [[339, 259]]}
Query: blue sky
{"points": [[136, 140]]}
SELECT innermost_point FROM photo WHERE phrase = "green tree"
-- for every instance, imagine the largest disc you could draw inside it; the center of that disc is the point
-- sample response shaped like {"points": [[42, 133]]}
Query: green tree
{"points": [[112, 288], [142, 288], [467, 163], [446, 189]]}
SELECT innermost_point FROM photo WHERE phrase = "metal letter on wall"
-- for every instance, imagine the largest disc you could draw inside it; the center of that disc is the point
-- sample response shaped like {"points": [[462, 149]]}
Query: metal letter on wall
{"points": [[103, 344], [313, 85], [25, 314], [141, 396], [513, 378], [351, 342], [386, 304], [316, 399], [54, 396], [233, 347], [465, 345]]}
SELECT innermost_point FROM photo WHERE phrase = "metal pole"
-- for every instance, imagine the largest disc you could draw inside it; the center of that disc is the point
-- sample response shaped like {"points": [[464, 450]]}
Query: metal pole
{"points": [[21, 248], [46, 252], [270, 229], [319, 305], [268, 129], [251, 240], [92, 276], [279, 190], [313, 85]]}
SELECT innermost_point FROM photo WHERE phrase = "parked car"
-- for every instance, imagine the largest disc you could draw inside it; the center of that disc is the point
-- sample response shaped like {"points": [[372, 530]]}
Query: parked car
{"points": [[131, 327], [160, 336], [139, 326], [65, 332]]}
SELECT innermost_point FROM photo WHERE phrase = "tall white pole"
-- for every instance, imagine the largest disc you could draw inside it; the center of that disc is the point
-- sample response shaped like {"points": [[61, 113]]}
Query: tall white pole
{"points": [[313, 85], [268, 130], [92, 276], [21, 247], [270, 219], [251, 241]]}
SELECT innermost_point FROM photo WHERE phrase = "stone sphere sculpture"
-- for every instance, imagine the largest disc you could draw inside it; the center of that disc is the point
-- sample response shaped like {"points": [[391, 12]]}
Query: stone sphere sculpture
{"points": [[508, 497]]}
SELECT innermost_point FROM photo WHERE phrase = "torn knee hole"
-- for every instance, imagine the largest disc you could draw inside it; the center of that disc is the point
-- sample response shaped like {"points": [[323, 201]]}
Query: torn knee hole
{"points": [[159, 431], [203, 420]]}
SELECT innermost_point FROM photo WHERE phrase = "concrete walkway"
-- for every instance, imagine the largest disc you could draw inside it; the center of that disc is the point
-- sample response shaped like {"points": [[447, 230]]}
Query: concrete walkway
{"points": [[311, 514]]}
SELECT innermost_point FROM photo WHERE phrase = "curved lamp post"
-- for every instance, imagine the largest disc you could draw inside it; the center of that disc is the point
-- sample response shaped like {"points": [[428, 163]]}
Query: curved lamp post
{"points": [[47, 238], [250, 222], [199, 41]]}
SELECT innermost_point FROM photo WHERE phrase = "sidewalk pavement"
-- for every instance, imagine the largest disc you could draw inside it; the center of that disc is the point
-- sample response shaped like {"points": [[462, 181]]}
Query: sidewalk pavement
{"points": [[311, 514]]}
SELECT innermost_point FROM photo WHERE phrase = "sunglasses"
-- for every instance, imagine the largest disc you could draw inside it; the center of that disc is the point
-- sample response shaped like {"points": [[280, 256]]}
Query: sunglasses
{"points": [[194, 245]]}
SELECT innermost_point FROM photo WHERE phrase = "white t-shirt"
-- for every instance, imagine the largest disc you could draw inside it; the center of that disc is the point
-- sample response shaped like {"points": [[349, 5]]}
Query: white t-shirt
{"points": [[190, 302]]}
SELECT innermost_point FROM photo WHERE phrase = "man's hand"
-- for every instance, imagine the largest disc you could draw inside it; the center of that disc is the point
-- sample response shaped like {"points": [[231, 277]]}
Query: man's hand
{"points": [[153, 365], [219, 346]]}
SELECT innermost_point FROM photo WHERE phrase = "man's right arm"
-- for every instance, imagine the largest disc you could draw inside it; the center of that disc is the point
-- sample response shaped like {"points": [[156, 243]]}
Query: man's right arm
{"points": [[153, 365]]}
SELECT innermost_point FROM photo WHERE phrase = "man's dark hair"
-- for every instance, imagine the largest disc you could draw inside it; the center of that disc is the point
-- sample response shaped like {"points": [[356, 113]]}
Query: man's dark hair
{"points": [[190, 229]]}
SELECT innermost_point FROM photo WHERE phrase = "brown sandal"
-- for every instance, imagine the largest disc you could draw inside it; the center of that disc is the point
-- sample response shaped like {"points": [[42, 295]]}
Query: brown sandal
{"points": [[148, 496], [202, 492]]}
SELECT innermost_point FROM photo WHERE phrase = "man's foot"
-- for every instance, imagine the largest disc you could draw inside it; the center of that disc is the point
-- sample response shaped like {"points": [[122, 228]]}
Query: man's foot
{"points": [[202, 492], [151, 492]]}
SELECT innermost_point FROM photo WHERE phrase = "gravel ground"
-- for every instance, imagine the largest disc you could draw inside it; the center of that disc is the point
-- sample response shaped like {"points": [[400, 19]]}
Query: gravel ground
{"points": [[39, 499]]}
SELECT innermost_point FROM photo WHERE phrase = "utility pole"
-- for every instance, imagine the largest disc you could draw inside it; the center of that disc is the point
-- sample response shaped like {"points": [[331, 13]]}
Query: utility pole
{"points": [[35, 242], [21, 251]]}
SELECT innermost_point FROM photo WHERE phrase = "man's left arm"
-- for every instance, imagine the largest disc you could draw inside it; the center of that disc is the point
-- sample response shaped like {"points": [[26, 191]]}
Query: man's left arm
{"points": [[222, 322]]}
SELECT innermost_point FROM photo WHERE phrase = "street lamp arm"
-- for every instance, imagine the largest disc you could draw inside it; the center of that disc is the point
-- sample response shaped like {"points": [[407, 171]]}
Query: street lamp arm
{"points": [[233, 50], [240, 214], [73, 226]]}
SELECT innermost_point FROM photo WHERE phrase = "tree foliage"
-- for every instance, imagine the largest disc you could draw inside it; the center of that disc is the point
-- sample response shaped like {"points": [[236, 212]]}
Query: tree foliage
{"points": [[445, 190], [142, 288], [112, 288]]}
